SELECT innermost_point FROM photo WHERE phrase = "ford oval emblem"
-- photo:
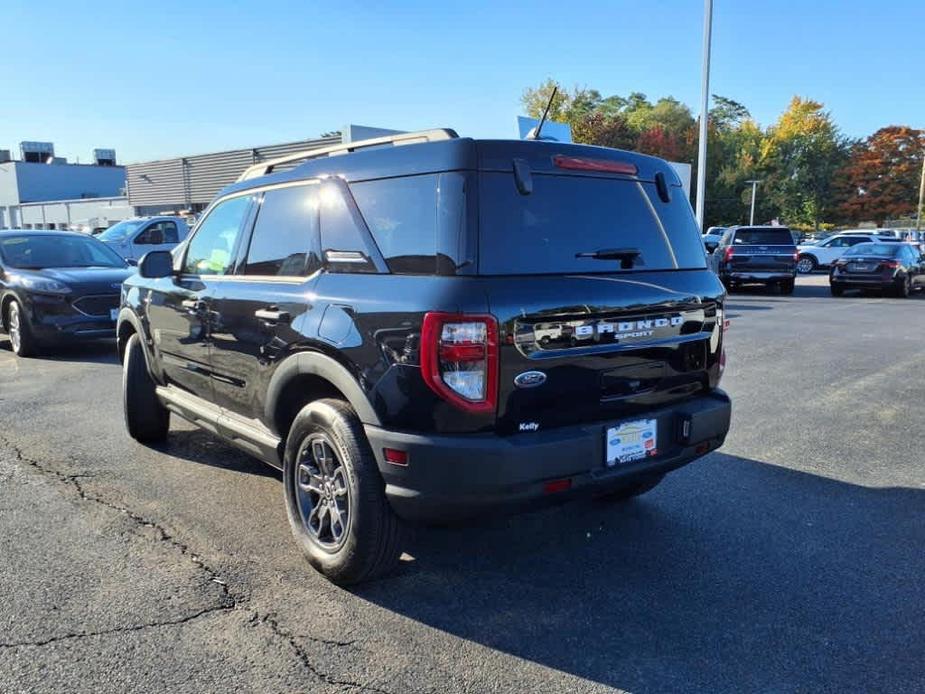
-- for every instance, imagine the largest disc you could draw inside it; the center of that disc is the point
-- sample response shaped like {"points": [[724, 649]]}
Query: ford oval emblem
{"points": [[530, 379]]}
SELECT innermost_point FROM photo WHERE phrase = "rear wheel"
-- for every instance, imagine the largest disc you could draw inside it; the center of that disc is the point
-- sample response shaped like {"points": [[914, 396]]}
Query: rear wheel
{"points": [[146, 419], [22, 340], [904, 288], [633, 490], [836, 289], [335, 496], [806, 264], [786, 287]]}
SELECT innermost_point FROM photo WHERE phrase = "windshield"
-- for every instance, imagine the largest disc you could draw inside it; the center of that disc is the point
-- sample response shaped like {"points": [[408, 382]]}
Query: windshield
{"points": [[764, 237], [886, 249], [53, 250], [543, 232], [121, 231]]}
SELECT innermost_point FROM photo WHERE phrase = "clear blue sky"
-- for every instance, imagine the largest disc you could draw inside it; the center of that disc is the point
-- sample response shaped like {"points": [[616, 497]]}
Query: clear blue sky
{"points": [[168, 77]]}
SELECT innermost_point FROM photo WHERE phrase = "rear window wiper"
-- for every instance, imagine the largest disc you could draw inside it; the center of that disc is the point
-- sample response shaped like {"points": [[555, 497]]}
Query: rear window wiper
{"points": [[626, 256]]}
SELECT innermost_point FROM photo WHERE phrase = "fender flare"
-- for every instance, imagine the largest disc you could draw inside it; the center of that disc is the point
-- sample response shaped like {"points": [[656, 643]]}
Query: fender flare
{"points": [[323, 366], [127, 315]]}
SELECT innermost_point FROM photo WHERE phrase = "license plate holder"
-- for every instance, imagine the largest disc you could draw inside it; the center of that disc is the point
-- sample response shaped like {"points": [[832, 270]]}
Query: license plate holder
{"points": [[630, 442]]}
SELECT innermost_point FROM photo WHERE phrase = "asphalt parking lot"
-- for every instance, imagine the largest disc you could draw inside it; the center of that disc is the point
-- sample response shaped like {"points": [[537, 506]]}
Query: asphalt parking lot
{"points": [[791, 560]]}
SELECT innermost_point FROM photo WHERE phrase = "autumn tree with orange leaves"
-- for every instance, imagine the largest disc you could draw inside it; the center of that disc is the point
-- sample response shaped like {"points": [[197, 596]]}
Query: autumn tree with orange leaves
{"points": [[880, 181]]}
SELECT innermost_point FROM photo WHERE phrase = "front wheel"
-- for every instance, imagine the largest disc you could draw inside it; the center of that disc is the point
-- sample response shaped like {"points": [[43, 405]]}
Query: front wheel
{"points": [[806, 264], [19, 330], [335, 496], [146, 419]]}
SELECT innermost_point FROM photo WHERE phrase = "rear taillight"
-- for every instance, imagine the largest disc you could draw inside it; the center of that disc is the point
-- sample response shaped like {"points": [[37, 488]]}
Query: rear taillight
{"points": [[730, 251], [459, 359], [892, 264], [796, 256], [605, 165]]}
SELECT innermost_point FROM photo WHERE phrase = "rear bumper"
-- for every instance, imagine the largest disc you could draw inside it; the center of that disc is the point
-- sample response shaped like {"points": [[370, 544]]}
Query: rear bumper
{"points": [[759, 275], [869, 280], [452, 477]]}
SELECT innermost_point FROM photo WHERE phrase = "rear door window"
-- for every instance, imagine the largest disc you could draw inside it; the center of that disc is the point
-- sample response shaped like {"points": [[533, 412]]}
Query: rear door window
{"points": [[284, 242], [567, 215]]}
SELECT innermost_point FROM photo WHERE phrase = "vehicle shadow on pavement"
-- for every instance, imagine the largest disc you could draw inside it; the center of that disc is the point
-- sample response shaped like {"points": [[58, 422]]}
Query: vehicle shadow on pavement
{"points": [[198, 446], [732, 575], [102, 352]]}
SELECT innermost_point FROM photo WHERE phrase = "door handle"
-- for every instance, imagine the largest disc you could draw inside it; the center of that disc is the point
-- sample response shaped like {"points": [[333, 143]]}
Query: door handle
{"points": [[272, 315]]}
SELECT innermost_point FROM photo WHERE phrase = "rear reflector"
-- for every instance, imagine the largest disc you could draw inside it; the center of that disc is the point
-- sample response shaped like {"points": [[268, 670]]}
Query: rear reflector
{"points": [[395, 456], [554, 486], [605, 165]]}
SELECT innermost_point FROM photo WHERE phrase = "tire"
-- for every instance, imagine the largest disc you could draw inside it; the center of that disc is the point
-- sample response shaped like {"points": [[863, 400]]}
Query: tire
{"points": [[836, 289], [806, 264], [22, 340], [330, 469], [904, 288], [633, 490], [786, 287], [146, 419]]}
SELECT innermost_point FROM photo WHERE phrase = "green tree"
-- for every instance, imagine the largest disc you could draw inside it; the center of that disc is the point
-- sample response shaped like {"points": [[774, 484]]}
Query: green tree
{"points": [[801, 155]]}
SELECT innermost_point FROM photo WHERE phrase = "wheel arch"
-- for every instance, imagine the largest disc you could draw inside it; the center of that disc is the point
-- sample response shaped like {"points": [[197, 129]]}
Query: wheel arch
{"points": [[308, 376]]}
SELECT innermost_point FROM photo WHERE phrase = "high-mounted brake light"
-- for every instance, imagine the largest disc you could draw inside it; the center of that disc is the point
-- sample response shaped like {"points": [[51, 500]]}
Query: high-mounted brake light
{"points": [[459, 359], [605, 165]]}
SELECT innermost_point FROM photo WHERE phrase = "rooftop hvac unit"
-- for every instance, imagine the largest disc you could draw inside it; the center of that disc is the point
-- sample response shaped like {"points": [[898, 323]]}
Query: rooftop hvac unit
{"points": [[104, 157], [37, 152], [5, 156]]}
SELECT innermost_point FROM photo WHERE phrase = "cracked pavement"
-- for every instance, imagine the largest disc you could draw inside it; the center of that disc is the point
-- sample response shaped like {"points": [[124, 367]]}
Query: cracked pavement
{"points": [[791, 560]]}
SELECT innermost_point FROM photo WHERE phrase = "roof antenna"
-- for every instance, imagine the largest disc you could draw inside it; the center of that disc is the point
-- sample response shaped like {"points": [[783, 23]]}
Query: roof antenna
{"points": [[538, 128]]}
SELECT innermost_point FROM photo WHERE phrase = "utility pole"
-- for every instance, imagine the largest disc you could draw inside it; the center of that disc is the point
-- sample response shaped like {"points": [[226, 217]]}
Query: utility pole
{"points": [[751, 217], [918, 212], [704, 106]]}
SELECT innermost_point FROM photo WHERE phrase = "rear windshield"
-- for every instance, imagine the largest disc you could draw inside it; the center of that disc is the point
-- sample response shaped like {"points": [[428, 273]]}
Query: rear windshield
{"points": [[542, 232], [889, 250], [763, 237]]}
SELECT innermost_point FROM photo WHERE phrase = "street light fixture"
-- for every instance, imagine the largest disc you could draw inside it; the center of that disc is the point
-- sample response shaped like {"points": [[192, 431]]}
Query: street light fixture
{"points": [[751, 218]]}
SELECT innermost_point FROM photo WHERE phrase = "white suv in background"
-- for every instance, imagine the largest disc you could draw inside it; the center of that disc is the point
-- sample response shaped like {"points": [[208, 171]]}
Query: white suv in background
{"points": [[827, 251]]}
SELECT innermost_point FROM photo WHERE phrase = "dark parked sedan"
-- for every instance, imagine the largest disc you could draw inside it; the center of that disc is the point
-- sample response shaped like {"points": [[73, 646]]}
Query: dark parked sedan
{"points": [[57, 286], [898, 268]]}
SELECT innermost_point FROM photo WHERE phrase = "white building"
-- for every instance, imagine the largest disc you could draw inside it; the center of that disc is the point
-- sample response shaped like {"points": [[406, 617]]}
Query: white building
{"points": [[79, 192]]}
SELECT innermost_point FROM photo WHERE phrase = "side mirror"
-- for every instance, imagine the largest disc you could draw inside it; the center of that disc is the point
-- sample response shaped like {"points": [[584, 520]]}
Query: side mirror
{"points": [[156, 264]]}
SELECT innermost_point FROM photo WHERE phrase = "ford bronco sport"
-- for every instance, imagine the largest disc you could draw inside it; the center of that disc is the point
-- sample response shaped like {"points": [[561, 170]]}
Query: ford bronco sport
{"points": [[426, 328]]}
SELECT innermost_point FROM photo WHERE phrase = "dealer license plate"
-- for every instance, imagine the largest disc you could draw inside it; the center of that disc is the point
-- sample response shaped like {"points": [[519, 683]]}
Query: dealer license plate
{"points": [[113, 313], [631, 441]]}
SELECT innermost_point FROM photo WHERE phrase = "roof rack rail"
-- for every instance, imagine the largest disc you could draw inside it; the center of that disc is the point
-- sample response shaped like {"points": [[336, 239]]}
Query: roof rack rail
{"points": [[266, 167]]}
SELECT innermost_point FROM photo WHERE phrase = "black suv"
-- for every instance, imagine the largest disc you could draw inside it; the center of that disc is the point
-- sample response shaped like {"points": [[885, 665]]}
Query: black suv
{"points": [[757, 255], [428, 327]]}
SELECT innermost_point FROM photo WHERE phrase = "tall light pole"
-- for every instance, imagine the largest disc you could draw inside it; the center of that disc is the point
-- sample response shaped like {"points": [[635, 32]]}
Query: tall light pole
{"points": [[704, 106], [918, 212], [751, 217]]}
